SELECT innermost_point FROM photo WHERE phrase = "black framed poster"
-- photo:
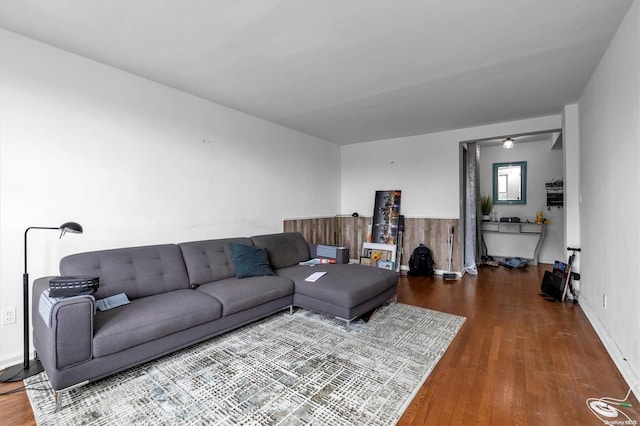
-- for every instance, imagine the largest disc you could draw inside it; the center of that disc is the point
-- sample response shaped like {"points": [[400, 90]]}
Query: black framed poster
{"points": [[386, 215]]}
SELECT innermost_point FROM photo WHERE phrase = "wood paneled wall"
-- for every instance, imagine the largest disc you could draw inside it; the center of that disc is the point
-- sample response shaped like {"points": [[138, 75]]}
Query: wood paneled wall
{"points": [[351, 232], [433, 234], [320, 230]]}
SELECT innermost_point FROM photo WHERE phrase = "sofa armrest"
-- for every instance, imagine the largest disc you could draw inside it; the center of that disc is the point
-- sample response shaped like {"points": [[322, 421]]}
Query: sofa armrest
{"points": [[68, 340], [341, 253]]}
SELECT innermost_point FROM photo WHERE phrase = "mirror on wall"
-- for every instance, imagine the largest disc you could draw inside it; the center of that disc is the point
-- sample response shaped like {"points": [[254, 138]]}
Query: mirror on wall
{"points": [[510, 183]]}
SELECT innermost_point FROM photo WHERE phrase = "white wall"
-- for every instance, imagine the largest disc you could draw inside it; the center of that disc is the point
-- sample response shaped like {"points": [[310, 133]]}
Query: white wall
{"points": [[572, 196], [609, 111], [426, 168], [125, 158], [543, 165]]}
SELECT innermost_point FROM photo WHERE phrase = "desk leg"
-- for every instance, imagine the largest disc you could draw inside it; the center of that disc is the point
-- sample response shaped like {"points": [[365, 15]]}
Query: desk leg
{"points": [[537, 250]]}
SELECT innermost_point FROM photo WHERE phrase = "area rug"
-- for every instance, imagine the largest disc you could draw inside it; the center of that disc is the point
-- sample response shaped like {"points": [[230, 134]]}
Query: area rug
{"points": [[287, 369]]}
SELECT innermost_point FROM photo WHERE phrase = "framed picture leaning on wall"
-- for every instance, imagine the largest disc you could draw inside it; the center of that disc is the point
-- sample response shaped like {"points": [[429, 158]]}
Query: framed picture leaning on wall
{"points": [[377, 252]]}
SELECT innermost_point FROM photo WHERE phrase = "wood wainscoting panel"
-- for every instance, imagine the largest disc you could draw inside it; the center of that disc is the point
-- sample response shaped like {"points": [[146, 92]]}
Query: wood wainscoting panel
{"points": [[433, 234], [351, 232], [317, 230]]}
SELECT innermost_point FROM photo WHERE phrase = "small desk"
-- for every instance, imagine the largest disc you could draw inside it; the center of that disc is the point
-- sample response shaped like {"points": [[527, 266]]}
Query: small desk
{"points": [[508, 229]]}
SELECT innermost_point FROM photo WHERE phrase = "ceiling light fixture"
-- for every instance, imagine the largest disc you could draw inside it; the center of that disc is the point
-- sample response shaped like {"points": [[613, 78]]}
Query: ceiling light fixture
{"points": [[507, 143]]}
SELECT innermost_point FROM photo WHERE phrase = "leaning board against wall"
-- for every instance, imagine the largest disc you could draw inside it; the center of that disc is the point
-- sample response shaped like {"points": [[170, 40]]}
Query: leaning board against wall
{"points": [[386, 216]]}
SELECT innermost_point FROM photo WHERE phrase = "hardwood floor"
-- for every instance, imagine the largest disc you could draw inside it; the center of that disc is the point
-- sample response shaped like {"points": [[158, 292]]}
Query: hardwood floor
{"points": [[518, 359], [15, 408]]}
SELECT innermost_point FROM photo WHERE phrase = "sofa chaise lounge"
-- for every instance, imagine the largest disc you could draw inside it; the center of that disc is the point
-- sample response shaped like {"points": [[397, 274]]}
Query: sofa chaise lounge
{"points": [[182, 294]]}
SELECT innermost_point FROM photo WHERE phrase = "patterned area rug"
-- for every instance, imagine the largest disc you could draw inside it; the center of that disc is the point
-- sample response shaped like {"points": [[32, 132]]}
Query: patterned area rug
{"points": [[286, 369]]}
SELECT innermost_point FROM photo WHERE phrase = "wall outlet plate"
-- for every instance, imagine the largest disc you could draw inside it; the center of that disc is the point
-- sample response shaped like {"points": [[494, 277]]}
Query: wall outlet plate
{"points": [[8, 316]]}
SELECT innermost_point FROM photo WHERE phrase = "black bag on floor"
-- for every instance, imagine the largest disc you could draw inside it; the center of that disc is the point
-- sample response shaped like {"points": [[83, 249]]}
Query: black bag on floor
{"points": [[421, 262]]}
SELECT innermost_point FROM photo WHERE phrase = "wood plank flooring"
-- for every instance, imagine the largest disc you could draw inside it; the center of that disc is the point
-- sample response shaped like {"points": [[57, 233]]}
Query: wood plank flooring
{"points": [[518, 359]]}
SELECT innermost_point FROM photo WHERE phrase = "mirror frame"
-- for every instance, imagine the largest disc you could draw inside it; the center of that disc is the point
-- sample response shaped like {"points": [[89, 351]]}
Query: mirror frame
{"points": [[523, 182]]}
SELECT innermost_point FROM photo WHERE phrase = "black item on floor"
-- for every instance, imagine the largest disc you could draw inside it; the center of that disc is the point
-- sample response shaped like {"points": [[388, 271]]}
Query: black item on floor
{"points": [[368, 316], [449, 275], [489, 261], [557, 283], [553, 285], [421, 262], [73, 286], [514, 262]]}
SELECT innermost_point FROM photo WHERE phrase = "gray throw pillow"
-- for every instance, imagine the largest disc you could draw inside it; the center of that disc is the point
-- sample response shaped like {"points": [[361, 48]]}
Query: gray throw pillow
{"points": [[250, 261]]}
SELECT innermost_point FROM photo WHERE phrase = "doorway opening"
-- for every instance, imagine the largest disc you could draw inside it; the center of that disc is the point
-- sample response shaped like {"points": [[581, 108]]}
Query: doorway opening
{"points": [[543, 153]]}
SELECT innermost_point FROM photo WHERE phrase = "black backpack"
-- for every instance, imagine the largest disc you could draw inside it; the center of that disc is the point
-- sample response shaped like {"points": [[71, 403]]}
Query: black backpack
{"points": [[421, 262]]}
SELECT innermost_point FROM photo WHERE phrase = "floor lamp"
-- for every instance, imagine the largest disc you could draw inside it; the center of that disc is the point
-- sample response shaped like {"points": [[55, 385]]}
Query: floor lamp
{"points": [[31, 367]]}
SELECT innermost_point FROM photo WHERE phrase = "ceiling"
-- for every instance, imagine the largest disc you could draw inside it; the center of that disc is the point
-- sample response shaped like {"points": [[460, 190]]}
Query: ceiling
{"points": [[344, 71]]}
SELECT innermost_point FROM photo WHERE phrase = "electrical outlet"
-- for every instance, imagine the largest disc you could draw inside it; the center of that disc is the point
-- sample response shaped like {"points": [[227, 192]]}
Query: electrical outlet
{"points": [[8, 316], [604, 301]]}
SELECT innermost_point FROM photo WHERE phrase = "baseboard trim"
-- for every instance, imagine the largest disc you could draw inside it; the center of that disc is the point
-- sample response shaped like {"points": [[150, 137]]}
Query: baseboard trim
{"points": [[405, 268], [626, 370], [10, 360]]}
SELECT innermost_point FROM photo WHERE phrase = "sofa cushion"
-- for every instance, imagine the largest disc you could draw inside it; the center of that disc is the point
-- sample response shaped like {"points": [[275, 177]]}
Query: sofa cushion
{"points": [[250, 261], [342, 285], [149, 318], [135, 271], [210, 260], [285, 249], [238, 295]]}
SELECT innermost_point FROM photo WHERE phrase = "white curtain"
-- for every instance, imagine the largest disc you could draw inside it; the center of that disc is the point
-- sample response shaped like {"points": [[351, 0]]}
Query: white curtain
{"points": [[472, 189]]}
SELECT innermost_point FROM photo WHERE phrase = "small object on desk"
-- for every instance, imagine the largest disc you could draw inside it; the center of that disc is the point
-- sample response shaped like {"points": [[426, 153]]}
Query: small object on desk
{"points": [[314, 277], [513, 219]]}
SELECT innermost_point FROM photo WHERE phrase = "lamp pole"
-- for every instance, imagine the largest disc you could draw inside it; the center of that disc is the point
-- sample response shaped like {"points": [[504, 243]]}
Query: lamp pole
{"points": [[28, 367], [35, 367]]}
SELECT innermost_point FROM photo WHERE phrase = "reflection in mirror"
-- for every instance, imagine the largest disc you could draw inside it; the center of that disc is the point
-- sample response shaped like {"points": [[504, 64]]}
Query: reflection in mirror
{"points": [[510, 183]]}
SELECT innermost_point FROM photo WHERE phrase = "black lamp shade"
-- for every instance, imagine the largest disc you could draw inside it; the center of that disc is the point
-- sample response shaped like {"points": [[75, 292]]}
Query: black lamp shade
{"points": [[73, 227]]}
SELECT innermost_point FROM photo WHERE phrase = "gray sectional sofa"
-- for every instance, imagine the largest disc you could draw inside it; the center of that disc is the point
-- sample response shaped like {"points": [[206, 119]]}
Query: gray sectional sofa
{"points": [[182, 294]]}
